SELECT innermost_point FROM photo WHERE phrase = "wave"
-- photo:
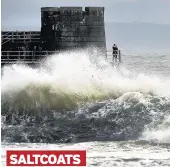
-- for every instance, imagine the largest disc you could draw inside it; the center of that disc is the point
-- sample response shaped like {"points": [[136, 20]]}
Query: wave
{"points": [[76, 96]]}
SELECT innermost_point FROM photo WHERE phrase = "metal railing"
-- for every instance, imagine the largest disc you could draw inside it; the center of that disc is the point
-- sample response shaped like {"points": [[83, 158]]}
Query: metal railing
{"points": [[22, 57], [8, 57], [20, 35], [116, 56], [26, 53]]}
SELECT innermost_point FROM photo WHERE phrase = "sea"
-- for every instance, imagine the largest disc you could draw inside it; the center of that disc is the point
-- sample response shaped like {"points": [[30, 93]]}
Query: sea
{"points": [[119, 113]]}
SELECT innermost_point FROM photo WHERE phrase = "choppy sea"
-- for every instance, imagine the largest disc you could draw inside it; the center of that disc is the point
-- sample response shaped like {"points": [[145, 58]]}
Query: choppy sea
{"points": [[77, 100]]}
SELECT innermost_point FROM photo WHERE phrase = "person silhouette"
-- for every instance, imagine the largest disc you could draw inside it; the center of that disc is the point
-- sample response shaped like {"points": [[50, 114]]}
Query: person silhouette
{"points": [[115, 52]]}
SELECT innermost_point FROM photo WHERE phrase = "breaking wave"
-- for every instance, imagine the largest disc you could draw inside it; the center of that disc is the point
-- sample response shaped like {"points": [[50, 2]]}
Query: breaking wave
{"points": [[75, 96]]}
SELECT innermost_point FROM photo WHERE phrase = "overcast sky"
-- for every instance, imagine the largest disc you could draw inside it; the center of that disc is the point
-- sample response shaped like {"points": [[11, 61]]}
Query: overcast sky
{"points": [[26, 13]]}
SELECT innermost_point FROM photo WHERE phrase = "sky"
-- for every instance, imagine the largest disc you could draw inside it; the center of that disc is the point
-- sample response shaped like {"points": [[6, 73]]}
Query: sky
{"points": [[132, 24], [26, 13]]}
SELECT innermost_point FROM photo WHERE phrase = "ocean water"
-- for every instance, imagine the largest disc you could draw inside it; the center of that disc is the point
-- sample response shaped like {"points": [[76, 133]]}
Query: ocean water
{"points": [[78, 100]]}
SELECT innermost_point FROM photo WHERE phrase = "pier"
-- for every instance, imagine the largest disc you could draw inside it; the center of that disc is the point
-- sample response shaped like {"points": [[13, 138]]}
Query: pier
{"points": [[35, 57], [62, 29]]}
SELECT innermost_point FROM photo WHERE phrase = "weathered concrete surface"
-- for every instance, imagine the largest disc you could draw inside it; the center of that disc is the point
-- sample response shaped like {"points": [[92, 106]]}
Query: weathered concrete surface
{"points": [[71, 27]]}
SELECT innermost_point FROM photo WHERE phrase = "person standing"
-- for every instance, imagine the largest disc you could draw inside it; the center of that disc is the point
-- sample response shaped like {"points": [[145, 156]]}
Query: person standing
{"points": [[115, 52]]}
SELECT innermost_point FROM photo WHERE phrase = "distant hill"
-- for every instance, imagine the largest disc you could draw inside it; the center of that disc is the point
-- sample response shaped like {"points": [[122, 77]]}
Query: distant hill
{"points": [[138, 36]]}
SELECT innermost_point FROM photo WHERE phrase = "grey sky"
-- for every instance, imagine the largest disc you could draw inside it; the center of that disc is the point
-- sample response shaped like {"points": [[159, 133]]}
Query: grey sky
{"points": [[26, 13]]}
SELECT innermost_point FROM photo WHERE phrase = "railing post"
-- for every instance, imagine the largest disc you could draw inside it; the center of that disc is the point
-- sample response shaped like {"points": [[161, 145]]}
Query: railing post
{"points": [[120, 57], [8, 55], [30, 36], [24, 36], [116, 56], [12, 37], [24, 55]]}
